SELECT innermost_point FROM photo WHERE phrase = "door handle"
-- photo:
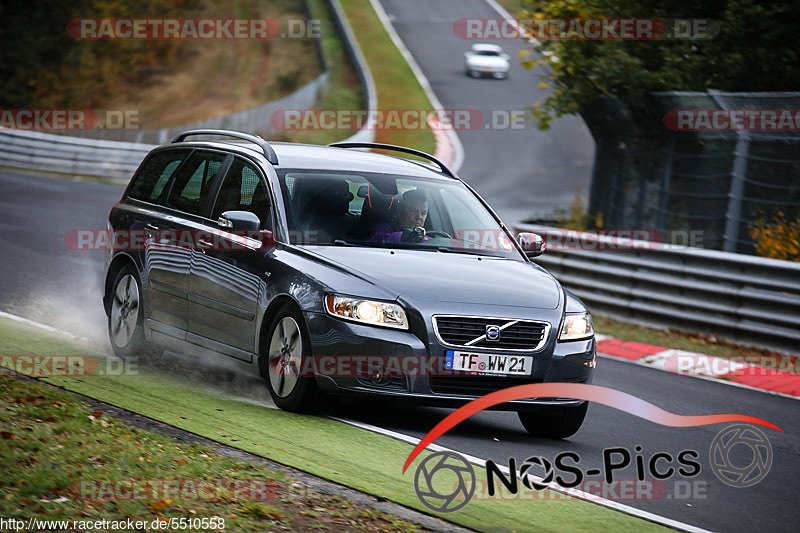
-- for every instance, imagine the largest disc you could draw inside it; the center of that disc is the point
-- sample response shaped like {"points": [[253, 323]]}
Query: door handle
{"points": [[203, 244], [152, 227]]}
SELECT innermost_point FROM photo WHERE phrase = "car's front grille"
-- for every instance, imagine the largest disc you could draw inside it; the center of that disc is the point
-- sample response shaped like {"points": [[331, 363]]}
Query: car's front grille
{"points": [[473, 385], [470, 332]]}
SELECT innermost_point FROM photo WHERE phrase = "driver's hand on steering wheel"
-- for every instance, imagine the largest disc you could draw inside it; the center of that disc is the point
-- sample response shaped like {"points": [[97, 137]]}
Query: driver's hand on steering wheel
{"points": [[414, 234]]}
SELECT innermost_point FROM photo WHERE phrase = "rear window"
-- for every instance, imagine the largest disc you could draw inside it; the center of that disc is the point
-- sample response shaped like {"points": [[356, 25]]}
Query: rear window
{"points": [[155, 174]]}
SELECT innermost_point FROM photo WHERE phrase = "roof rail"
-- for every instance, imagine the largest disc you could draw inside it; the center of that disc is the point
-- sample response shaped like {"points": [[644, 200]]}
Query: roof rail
{"points": [[269, 153], [418, 153]]}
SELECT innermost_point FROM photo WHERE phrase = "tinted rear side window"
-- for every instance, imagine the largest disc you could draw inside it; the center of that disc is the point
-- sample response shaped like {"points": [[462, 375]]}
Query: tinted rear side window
{"points": [[155, 174], [191, 186]]}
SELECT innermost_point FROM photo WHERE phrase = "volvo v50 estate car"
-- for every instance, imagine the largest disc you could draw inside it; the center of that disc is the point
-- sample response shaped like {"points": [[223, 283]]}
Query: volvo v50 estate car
{"points": [[333, 270]]}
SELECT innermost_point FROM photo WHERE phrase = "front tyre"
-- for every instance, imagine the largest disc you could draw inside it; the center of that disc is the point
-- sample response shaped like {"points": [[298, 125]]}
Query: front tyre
{"points": [[287, 348], [126, 317], [554, 422]]}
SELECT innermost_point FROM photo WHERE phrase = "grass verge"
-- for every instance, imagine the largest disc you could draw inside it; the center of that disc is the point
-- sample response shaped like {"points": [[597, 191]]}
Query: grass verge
{"points": [[514, 7], [674, 339], [63, 461], [343, 90], [396, 85], [347, 455]]}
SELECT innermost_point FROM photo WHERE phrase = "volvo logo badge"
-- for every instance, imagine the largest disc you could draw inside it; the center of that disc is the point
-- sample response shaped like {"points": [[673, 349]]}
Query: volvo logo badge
{"points": [[492, 333]]}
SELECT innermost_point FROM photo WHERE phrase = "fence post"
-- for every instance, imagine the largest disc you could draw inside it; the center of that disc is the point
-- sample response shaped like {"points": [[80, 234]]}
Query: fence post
{"points": [[663, 202], [738, 174]]}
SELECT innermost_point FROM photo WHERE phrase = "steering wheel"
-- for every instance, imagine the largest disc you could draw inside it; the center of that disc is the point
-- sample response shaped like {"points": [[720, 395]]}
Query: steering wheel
{"points": [[437, 233]]}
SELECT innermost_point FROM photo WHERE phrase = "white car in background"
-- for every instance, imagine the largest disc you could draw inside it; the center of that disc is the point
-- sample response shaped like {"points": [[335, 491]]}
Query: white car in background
{"points": [[486, 60]]}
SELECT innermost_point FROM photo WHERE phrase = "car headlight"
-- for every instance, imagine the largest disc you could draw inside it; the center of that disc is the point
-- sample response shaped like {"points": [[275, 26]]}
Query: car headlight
{"points": [[576, 326], [371, 312]]}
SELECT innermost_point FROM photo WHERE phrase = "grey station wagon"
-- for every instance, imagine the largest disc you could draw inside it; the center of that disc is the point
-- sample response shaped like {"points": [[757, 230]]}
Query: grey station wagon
{"points": [[332, 270]]}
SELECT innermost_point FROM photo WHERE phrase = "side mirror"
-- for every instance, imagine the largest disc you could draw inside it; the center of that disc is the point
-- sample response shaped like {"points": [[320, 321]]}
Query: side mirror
{"points": [[467, 54], [242, 220], [531, 243], [506, 57]]}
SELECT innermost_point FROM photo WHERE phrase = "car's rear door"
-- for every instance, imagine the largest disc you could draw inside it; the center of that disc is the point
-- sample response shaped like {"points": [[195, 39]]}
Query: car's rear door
{"points": [[228, 277], [169, 252], [146, 216]]}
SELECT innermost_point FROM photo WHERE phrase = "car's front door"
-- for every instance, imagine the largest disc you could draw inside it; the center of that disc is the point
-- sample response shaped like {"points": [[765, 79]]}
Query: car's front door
{"points": [[228, 270]]}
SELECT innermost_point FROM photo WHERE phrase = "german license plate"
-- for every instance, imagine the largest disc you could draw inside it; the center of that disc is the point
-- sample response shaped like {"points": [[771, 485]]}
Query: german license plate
{"points": [[488, 363]]}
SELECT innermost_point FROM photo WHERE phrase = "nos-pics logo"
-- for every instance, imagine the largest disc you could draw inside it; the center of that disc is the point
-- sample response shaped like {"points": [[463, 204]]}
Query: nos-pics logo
{"points": [[445, 481]]}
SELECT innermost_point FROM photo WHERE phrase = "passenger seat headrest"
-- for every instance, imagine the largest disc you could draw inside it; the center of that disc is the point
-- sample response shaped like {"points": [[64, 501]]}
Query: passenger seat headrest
{"points": [[333, 198]]}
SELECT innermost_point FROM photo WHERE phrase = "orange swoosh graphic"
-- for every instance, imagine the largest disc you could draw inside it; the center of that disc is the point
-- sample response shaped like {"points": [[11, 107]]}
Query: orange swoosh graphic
{"points": [[590, 393]]}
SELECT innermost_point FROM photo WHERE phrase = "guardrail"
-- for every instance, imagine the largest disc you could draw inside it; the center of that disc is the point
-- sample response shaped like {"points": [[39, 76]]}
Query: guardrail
{"points": [[118, 160], [32, 150], [752, 300]]}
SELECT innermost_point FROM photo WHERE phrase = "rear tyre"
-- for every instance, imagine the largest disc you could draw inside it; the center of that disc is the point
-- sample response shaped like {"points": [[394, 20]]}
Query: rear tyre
{"points": [[126, 318], [287, 348], [554, 422]]}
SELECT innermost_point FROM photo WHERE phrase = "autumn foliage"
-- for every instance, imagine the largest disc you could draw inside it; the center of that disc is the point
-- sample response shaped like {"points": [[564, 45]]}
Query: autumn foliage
{"points": [[778, 238]]}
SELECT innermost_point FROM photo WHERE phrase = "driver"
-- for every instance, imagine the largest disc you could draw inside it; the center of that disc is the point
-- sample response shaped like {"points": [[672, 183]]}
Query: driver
{"points": [[410, 223]]}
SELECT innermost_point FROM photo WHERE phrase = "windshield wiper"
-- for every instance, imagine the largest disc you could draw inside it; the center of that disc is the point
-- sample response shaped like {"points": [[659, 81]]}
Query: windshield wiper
{"points": [[445, 249]]}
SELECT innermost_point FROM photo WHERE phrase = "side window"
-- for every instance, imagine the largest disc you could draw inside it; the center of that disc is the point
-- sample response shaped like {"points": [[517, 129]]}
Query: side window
{"points": [[155, 174], [192, 183], [244, 190]]}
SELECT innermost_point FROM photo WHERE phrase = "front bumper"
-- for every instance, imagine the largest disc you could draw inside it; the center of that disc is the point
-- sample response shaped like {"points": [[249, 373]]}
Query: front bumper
{"points": [[486, 71], [426, 383]]}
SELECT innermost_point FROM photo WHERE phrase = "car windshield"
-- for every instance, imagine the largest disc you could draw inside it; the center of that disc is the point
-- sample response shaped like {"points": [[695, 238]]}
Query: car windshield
{"points": [[380, 210], [486, 53]]}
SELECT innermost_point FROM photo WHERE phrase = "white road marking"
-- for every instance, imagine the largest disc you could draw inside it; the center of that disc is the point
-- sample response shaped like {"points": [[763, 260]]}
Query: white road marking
{"points": [[477, 461], [458, 148], [36, 324]]}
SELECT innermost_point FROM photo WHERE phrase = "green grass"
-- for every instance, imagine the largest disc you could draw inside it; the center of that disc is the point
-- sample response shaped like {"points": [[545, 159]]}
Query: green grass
{"points": [[343, 90], [397, 87], [678, 340], [61, 460], [514, 7], [353, 457]]}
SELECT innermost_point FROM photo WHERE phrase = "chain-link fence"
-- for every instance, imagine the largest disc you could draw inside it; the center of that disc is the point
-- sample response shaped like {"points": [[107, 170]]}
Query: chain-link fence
{"points": [[714, 183]]}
